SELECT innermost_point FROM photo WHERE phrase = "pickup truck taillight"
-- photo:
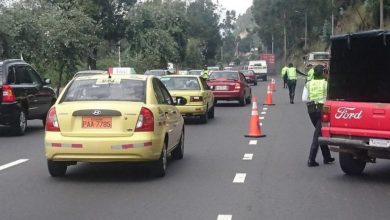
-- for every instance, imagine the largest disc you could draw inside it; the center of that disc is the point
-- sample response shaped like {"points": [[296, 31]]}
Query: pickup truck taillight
{"points": [[52, 120], [8, 94], [145, 120], [325, 115]]}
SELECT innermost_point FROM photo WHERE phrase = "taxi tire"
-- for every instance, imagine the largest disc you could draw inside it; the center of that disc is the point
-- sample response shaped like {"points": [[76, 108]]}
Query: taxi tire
{"points": [[160, 167], [350, 165], [57, 168], [204, 118], [178, 152], [211, 112], [18, 127]]}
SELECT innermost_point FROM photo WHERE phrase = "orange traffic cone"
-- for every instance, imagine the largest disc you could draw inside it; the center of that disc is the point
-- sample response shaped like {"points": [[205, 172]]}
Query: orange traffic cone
{"points": [[268, 99], [254, 130], [273, 85]]}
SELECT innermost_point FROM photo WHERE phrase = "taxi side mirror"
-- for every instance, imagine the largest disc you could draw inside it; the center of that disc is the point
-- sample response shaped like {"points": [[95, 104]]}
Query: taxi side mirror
{"points": [[180, 101]]}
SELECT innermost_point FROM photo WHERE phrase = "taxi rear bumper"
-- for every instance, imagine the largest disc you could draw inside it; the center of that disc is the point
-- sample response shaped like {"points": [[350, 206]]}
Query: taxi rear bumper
{"points": [[192, 110]]}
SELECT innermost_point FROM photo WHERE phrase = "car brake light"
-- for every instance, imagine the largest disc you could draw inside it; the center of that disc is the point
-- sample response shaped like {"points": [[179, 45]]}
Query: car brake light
{"points": [[196, 99], [145, 120], [237, 86], [52, 120], [325, 114], [8, 94]]}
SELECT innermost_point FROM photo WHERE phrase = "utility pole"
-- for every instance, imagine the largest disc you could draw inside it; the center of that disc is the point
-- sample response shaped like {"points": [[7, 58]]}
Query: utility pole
{"points": [[332, 18], [305, 30], [272, 44], [381, 25]]}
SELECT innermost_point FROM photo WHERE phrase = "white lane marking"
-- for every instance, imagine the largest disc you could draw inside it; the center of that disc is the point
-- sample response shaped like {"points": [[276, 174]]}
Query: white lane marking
{"points": [[224, 217], [252, 142], [247, 157], [263, 113], [261, 124], [265, 109], [16, 162], [239, 178], [261, 118]]}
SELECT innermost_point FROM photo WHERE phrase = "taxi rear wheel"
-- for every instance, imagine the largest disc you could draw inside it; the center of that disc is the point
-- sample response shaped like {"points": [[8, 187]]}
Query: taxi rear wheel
{"points": [[160, 167], [204, 118], [211, 112], [56, 168], [178, 153]]}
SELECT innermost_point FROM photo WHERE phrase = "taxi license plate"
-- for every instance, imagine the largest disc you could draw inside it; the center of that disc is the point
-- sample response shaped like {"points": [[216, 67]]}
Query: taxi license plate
{"points": [[221, 88], [99, 122], [379, 143]]}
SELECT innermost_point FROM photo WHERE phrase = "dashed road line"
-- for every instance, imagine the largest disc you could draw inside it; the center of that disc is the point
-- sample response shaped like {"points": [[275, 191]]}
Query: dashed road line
{"points": [[224, 217], [239, 178], [261, 118], [265, 109], [252, 142], [263, 113], [16, 162], [247, 157]]}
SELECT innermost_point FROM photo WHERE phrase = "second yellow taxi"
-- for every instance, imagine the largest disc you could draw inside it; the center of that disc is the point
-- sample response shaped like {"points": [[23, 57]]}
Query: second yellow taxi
{"points": [[198, 98], [103, 118]]}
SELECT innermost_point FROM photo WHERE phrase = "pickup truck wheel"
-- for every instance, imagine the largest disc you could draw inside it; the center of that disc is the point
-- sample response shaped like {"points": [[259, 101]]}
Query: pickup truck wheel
{"points": [[19, 126], [56, 168], [350, 165], [178, 153], [211, 112], [160, 167]]}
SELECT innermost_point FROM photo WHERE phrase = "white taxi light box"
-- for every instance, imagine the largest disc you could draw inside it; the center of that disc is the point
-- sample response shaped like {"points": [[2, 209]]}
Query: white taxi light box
{"points": [[121, 71]]}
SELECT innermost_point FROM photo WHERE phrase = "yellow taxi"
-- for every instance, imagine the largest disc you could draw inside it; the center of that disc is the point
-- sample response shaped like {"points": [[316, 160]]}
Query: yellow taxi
{"points": [[111, 118], [198, 98]]}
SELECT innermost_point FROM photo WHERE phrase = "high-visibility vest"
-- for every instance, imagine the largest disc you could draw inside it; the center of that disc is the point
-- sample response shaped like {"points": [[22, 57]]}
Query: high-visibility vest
{"points": [[284, 71], [292, 73], [205, 74], [310, 75], [317, 90]]}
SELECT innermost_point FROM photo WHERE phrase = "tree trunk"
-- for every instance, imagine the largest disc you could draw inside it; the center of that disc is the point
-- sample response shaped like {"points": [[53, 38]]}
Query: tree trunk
{"points": [[91, 62], [60, 80]]}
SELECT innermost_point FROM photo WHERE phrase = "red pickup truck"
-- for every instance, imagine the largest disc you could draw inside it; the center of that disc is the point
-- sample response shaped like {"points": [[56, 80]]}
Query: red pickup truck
{"points": [[356, 117]]}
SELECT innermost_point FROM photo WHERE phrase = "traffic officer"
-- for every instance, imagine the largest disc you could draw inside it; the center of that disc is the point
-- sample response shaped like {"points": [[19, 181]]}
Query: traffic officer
{"points": [[292, 80], [310, 73], [205, 73], [284, 76], [315, 96]]}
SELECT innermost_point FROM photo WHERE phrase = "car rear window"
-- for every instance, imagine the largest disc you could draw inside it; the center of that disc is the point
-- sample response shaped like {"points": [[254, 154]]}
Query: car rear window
{"points": [[181, 83], [106, 90], [224, 75], [247, 72], [359, 69]]}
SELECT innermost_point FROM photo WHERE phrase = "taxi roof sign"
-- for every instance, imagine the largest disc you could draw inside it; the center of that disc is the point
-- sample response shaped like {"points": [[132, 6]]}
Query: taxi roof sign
{"points": [[121, 71]]}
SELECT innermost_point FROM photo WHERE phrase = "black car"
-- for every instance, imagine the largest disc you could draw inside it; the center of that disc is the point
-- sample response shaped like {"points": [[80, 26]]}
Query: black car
{"points": [[24, 95]]}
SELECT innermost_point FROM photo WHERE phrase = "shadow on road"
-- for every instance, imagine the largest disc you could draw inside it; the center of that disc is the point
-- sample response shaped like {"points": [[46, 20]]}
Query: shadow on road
{"points": [[375, 174], [31, 129]]}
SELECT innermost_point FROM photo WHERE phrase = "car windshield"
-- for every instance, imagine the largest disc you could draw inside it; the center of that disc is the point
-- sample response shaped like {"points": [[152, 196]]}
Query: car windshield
{"points": [[224, 75], [181, 83], [359, 69], [247, 72], [195, 72], [105, 90], [155, 72]]}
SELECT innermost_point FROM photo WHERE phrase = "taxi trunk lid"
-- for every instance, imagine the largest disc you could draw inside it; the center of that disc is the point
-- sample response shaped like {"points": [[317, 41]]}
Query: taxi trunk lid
{"points": [[187, 95], [91, 119]]}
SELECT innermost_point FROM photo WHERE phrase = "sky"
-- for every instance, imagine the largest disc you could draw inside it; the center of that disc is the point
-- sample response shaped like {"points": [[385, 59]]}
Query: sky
{"points": [[240, 6]]}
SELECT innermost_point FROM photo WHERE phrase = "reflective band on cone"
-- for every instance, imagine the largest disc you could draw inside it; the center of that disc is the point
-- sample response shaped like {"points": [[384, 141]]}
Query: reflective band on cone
{"points": [[254, 130], [273, 85]]}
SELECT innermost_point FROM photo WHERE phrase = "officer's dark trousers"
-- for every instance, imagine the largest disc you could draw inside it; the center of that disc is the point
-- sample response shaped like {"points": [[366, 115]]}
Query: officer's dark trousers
{"points": [[291, 88], [316, 120]]}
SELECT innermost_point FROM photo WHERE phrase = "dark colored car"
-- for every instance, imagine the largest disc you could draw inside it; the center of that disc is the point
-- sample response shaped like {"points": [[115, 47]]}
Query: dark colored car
{"points": [[250, 76], [230, 85], [24, 96], [356, 116]]}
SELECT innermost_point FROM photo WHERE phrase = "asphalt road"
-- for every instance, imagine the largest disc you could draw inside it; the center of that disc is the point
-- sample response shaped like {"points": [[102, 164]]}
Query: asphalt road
{"points": [[277, 185]]}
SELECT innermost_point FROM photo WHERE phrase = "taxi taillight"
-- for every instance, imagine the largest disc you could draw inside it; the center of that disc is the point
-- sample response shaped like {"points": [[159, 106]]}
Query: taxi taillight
{"points": [[145, 121], [8, 94], [196, 99], [325, 117], [52, 121]]}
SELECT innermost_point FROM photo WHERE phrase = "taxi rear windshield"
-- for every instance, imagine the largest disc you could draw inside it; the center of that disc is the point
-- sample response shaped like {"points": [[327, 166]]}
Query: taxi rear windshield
{"points": [[359, 68], [181, 83], [105, 90]]}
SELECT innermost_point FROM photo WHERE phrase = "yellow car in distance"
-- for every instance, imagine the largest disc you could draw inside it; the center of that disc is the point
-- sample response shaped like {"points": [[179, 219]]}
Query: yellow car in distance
{"points": [[199, 100], [113, 118]]}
